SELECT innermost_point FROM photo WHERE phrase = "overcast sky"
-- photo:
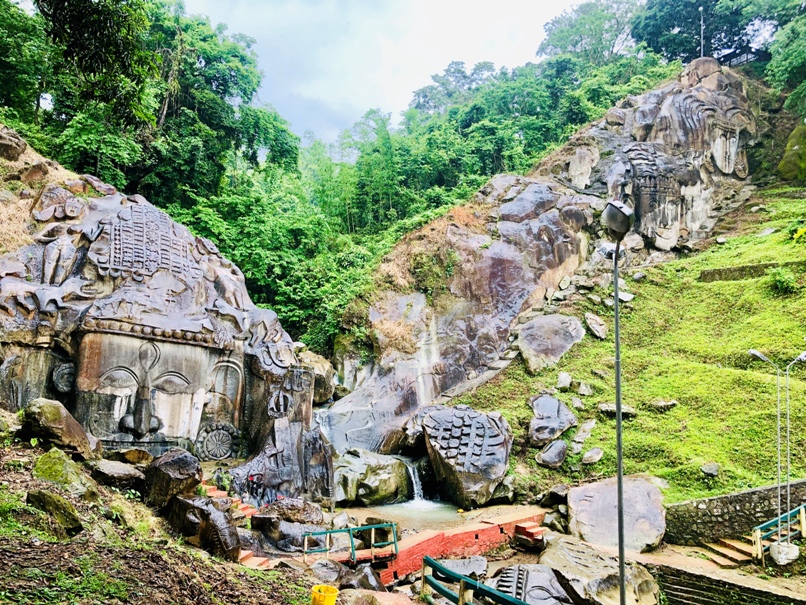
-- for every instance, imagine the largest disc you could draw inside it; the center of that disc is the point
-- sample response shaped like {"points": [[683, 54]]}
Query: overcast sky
{"points": [[326, 62]]}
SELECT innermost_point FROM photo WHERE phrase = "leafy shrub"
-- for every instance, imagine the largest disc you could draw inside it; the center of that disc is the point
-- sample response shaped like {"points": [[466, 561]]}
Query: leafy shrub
{"points": [[782, 281]]}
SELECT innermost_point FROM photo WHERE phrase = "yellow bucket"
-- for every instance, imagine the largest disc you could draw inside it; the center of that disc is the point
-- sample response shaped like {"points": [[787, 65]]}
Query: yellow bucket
{"points": [[322, 594]]}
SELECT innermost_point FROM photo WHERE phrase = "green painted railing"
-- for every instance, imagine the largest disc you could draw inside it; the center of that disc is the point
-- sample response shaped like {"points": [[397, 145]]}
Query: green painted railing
{"points": [[392, 527], [468, 587], [796, 519]]}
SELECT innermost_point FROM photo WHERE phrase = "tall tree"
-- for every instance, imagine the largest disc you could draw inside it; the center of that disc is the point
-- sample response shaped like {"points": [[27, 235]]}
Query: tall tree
{"points": [[594, 31], [672, 28]]}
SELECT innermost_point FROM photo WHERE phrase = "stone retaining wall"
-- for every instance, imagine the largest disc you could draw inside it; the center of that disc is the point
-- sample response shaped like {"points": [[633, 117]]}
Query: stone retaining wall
{"points": [[729, 516], [745, 271], [684, 587]]}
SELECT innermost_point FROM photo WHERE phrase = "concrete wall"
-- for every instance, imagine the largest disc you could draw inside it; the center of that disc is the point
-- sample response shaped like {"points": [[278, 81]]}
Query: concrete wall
{"points": [[729, 516]]}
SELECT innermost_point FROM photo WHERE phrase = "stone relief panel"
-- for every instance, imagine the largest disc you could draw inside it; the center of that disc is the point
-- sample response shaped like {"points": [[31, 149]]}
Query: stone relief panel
{"points": [[148, 335]]}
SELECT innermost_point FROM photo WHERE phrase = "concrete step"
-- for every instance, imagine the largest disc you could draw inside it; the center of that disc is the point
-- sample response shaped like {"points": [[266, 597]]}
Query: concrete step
{"points": [[728, 553], [245, 554], [719, 560], [737, 545]]}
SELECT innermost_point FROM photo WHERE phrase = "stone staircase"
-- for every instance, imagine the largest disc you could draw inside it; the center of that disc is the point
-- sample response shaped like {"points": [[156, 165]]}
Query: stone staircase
{"points": [[240, 510], [728, 553]]}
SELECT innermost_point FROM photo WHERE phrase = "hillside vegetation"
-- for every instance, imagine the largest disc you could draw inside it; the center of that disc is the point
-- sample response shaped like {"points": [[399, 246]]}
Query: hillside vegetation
{"points": [[687, 340]]}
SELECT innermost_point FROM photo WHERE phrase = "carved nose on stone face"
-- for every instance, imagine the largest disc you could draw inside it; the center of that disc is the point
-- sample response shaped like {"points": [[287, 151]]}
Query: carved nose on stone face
{"points": [[619, 219]]}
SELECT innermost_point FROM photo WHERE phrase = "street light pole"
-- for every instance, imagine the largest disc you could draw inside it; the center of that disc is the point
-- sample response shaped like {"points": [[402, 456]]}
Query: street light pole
{"points": [[799, 358], [619, 219], [702, 34], [763, 358]]}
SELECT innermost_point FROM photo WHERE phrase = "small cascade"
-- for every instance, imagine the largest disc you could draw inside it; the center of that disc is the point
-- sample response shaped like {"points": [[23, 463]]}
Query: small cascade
{"points": [[417, 485]]}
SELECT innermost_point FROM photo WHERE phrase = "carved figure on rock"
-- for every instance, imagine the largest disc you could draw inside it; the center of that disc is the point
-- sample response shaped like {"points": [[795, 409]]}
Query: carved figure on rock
{"points": [[149, 336], [469, 451]]}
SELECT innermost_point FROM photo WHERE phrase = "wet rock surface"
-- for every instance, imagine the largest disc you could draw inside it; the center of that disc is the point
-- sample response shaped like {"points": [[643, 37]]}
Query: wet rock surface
{"points": [[589, 576], [545, 339], [533, 584], [469, 452], [175, 472], [592, 509], [552, 419]]}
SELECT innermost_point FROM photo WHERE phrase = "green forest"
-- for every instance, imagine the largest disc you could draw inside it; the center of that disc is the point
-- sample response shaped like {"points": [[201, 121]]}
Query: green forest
{"points": [[162, 103]]}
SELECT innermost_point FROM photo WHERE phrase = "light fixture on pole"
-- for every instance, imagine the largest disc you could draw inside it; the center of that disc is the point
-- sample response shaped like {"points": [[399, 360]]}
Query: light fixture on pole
{"points": [[702, 34], [787, 553], [619, 219], [765, 359]]}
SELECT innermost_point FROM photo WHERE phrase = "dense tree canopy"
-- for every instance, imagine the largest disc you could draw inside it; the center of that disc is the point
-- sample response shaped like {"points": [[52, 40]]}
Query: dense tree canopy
{"points": [[308, 222]]}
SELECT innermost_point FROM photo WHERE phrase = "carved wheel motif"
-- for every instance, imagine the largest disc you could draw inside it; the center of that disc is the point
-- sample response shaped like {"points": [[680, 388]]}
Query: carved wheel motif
{"points": [[217, 441]]}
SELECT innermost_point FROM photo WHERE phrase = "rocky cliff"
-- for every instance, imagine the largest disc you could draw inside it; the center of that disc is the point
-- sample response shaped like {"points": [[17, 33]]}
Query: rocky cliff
{"points": [[454, 294]]}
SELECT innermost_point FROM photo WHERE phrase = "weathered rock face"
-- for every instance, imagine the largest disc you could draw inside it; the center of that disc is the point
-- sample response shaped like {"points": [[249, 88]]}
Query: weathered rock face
{"points": [[175, 472], [117, 474], [533, 584], [148, 336], [49, 421], [294, 510], [469, 452], [425, 346], [588, 576], [681, 152], [592, 511], [12, 146], [57, 468], [362, 477], [552, 419], [205, 526], [322, 369], [57, 507], [545, 339]]}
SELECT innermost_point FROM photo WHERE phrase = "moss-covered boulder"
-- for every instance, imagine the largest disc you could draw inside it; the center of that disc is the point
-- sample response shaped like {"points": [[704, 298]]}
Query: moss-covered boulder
{"points": [[49, 421], [57, 507], [793, 164], [366, 478], [57, 467]]}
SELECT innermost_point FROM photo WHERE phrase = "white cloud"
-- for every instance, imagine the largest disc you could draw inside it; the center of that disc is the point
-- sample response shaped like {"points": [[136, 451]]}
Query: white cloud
{"points": [[327, 61]]}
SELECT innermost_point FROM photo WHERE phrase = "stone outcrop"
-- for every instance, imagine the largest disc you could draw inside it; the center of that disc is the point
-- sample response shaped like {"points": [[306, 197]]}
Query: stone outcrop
{"points": [[680, 155], [56, 467], [148, 336], [545, 339], [369, 479], [589, 576], [116, 474], [469, 452], [552, 418], [59, 508], [12, 146], [592, 513], [50, 422], [175, 472]]}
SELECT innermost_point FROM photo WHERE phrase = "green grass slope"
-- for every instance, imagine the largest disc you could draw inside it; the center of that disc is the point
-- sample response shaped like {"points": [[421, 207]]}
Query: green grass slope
{"points": [[686, 340]]}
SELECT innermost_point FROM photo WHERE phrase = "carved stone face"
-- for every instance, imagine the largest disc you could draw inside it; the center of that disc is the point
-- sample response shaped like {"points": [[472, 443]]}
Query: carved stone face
{"points": [[151, 392]]}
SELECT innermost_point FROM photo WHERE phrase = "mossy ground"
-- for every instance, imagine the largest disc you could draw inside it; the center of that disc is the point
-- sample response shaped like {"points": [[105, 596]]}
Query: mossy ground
{"points": [[686, 340]]}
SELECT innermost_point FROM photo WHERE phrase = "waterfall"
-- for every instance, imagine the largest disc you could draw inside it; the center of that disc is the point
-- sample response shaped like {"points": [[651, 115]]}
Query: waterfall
{"points": [[416, 484]]}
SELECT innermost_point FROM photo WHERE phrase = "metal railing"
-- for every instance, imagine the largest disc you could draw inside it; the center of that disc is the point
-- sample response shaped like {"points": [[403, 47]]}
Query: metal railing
{"points": [[391, 527], [794, 520], [468, 587]]}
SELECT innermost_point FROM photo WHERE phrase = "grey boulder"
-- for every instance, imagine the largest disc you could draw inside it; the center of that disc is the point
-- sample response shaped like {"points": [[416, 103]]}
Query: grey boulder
{"points": [[366, 478], [592, 509], [546, 338], [176, 472], [553, 455], [552, 418]]}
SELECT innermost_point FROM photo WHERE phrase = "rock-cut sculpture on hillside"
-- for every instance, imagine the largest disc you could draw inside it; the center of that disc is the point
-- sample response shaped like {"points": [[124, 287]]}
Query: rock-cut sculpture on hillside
{"points": [[148, 336]]}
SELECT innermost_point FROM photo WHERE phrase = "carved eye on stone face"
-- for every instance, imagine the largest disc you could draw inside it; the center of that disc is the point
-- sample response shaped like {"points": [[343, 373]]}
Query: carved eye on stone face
{"points": [[171, 383], [119, 378]]}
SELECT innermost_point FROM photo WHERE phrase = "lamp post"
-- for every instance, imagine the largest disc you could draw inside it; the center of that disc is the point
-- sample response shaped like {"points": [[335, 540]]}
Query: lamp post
{"points": [[765, 359], [702, 34], [791, 552], [619, 219]]}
